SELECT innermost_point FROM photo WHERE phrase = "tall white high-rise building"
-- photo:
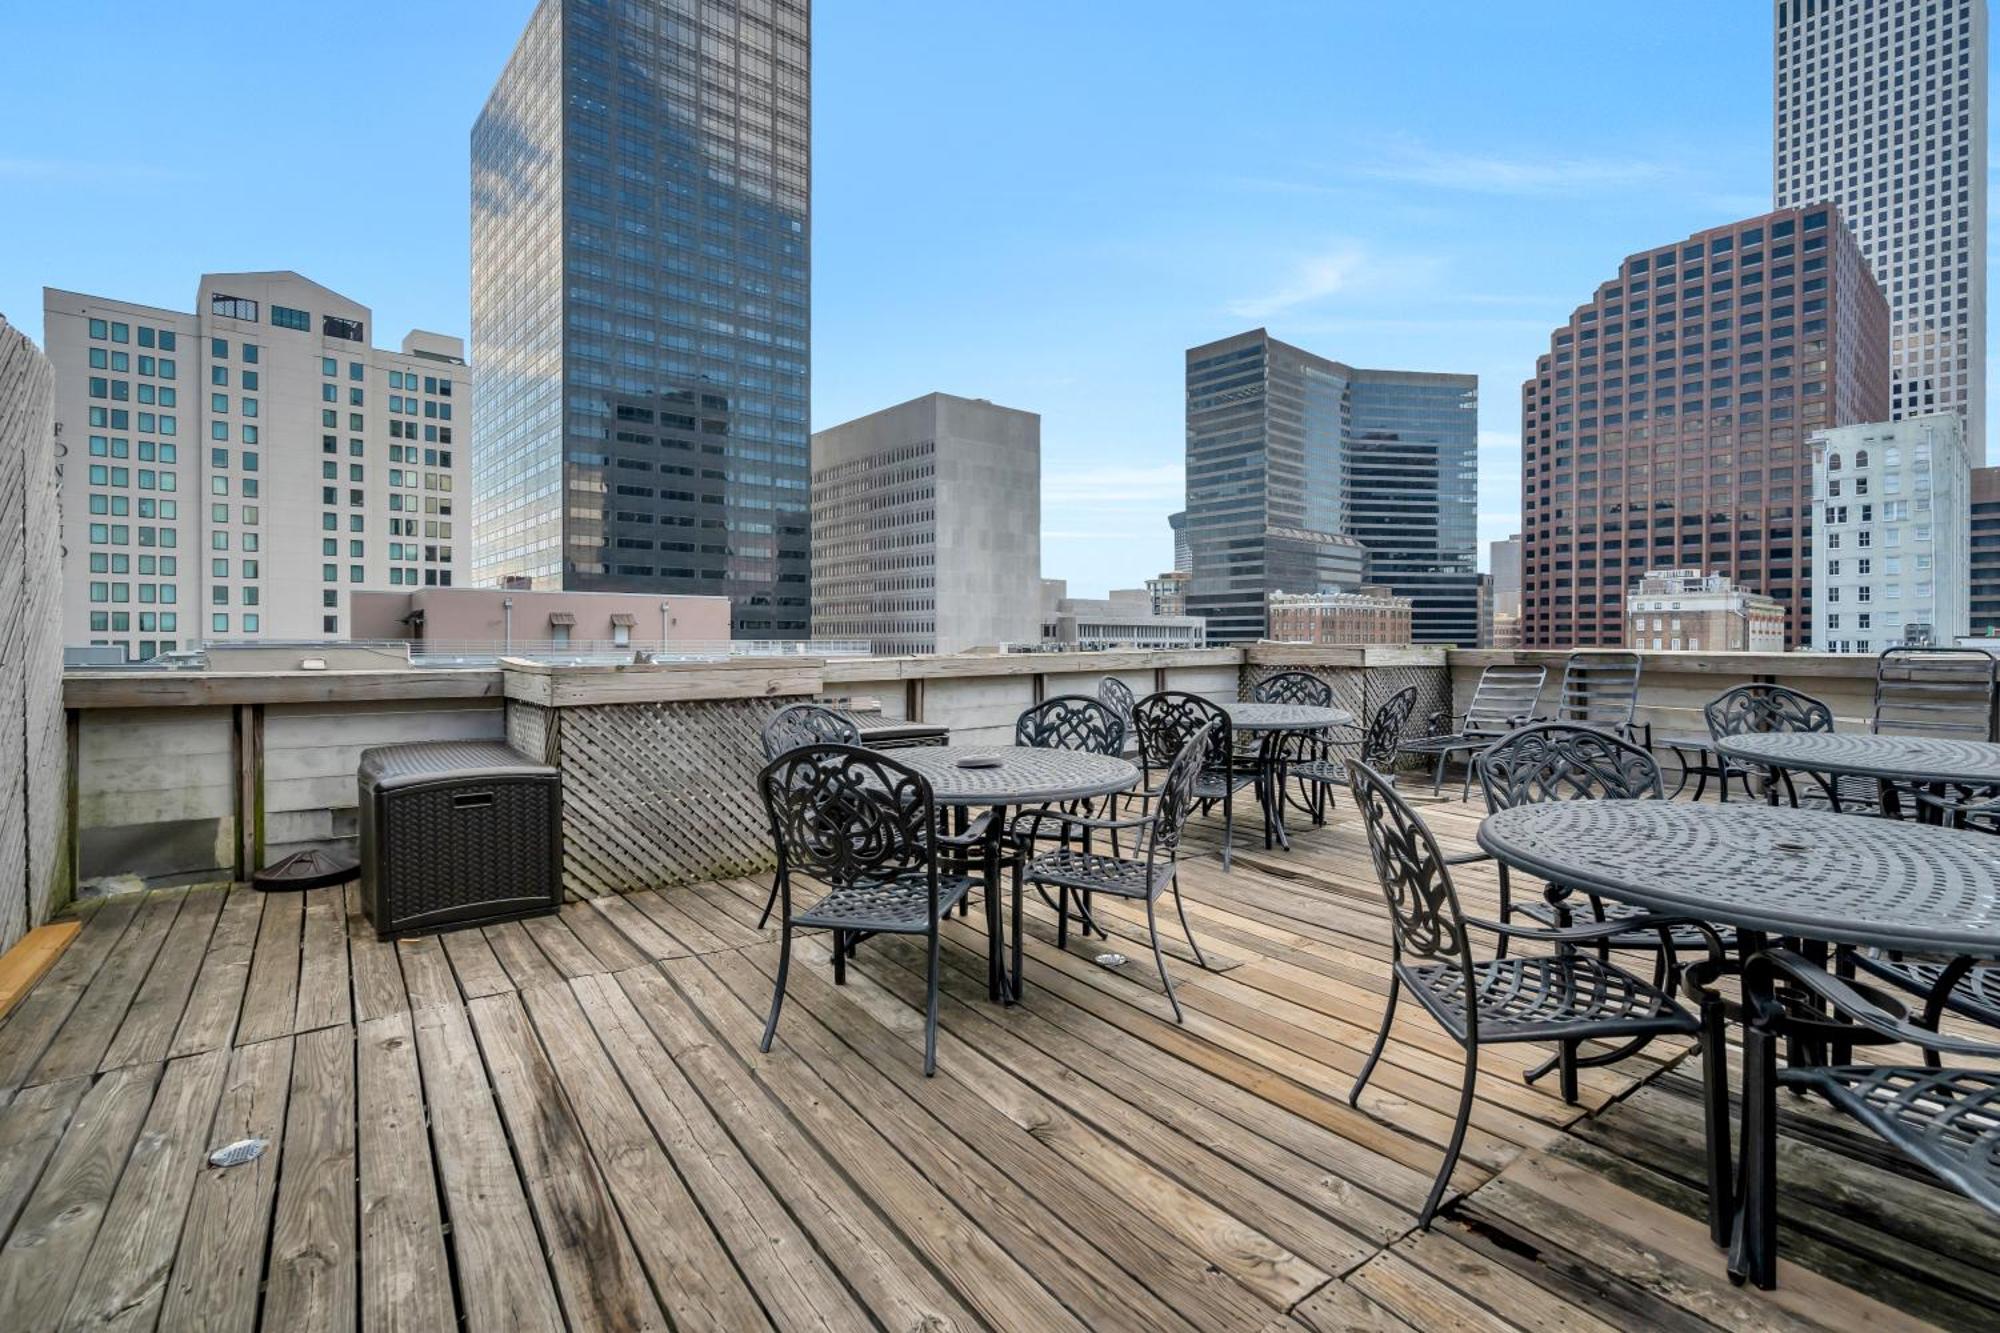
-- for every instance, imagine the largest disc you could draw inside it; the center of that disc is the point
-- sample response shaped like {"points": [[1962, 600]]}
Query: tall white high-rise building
{"points": [[1892, 545], [238, 472], [1880, 108]]}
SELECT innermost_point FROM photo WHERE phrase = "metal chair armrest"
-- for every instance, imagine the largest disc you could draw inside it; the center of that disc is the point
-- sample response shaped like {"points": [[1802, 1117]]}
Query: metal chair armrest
{"points": [[1595, 930], [1855, 1006], [1034, 820]]}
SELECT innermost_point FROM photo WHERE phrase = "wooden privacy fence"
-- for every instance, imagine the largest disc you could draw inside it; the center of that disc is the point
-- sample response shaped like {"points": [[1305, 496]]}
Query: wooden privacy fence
{"points": [[33, 770]]}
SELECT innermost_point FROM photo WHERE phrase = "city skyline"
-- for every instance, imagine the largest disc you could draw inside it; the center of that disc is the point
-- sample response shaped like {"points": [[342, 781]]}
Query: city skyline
{"points": [[1074, 298]]}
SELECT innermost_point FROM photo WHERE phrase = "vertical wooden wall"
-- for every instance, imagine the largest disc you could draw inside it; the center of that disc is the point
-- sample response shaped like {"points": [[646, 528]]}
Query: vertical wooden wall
{"points": [[33, 766]]}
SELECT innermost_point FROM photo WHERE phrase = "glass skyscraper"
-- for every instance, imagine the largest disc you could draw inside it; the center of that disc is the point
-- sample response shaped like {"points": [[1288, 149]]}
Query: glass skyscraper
{"points": [[1304, 474], [641, 301]]}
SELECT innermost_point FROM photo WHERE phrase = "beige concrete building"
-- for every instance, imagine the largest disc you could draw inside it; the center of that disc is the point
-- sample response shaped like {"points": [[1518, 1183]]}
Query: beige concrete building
{"points": [[927, 527], [1169, 592], [522, 620], [1125, 619], [240, 472], [1685, 610], [1369, 614]]}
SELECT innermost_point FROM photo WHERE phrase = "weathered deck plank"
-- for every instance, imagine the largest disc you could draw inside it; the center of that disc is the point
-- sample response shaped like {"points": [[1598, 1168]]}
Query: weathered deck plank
{"points": [[221, 1263], [565, 1123]]}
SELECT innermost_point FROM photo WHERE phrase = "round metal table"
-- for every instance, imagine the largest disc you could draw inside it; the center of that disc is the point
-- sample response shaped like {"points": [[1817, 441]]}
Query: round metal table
{"points": [[1766, 870], [1808, 873], [1022, 775], [1273, 722], [1922, 760], [1285, 717]]}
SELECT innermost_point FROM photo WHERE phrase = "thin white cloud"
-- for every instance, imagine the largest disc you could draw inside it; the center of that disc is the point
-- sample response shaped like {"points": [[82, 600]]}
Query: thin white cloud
{"points": [[1344, 268], [1501, 173]]}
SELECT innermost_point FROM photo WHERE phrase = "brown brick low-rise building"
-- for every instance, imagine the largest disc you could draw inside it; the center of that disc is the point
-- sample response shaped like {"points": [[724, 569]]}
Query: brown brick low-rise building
{"points": [[1685, 610], [1666, 425], [1370, 614]]}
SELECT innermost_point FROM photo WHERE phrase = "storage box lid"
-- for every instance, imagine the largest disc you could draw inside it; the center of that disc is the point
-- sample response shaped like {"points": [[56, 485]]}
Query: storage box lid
{"points": [[390, 766]]}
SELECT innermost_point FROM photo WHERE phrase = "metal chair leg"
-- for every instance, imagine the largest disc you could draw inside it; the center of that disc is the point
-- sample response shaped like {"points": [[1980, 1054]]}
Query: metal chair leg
{"points": [[769, 903], [840, 958], [1062, 916], [1506, 910], [778, 991], [1381, 1040], [1450, 1162], [1228, 819], [1160, 960], [1715, 1112], [1187, 929], [931, 1006]]}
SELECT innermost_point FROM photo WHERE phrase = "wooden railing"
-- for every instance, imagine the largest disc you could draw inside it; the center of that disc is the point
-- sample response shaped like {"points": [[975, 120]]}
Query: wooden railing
{"points": [[195, 775], [32, 764]]}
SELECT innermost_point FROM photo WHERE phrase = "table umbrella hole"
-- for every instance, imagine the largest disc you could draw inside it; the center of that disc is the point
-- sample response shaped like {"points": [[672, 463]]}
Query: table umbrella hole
{"points": [[1109, 960], [239, 1152]]}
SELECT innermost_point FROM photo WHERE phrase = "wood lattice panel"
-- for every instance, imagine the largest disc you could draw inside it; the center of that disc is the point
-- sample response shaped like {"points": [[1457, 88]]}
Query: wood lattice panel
{"points": [[1361, 690], [654, 794]]}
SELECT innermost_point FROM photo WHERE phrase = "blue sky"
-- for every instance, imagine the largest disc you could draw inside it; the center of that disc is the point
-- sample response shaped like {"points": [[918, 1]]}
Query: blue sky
{"points": [[1039, 203]]}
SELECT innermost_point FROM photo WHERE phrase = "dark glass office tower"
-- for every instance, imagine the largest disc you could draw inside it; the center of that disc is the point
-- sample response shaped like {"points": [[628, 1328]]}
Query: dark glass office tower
{"points": [[641, 263], [1304, 474]]}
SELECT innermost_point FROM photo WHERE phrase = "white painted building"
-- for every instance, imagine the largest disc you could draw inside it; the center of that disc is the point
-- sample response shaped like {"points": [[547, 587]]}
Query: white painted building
{"points": [[1892, 541], [239, 472], [1879, 106]]}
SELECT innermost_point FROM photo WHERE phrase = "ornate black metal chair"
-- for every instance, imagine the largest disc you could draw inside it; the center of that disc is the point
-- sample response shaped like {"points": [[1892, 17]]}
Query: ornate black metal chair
{"points": [[1753, 709], [1566, 998], [866, 827], [1503, 700], [1143, 876], [789, 728], [1071, 722], [1075, 722], [1287, 687], [1293, 687], [806, 724], [1116, 695], [1562, 761], [1164, 722], [1946, 1120], [1320, 768]]}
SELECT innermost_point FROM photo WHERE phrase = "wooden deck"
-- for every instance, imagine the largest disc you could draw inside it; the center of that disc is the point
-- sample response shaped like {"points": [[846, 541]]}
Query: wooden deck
{"points": [[566, 1123]]}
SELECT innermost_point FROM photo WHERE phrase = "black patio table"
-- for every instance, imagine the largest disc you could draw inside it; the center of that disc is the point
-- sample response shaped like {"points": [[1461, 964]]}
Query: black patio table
{"points": [[1815, 875], [1272, 723], [1926, 761], [999, 776]]}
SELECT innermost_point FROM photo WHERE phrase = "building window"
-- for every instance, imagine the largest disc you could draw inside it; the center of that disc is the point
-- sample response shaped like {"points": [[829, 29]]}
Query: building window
{"points": [[284, 317], [231, 307], [349, 329]]}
